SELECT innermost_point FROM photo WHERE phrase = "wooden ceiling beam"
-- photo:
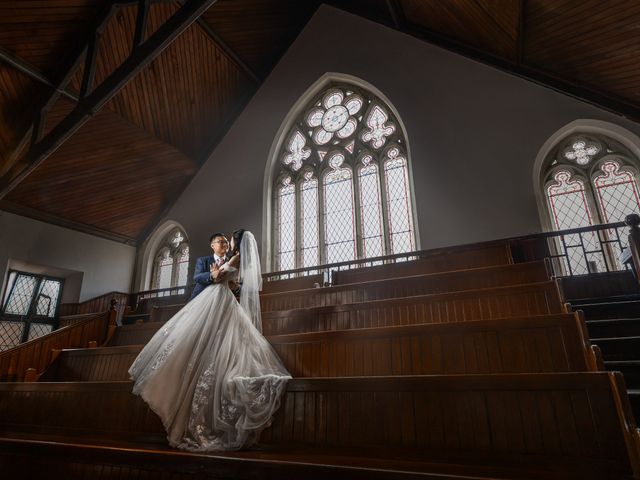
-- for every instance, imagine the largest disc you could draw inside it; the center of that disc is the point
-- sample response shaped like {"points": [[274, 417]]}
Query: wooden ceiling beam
{"points": [[139, 58], [220, 43]]}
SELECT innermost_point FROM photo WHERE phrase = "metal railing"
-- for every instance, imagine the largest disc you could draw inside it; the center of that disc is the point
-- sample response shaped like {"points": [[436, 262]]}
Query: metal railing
{"points": [[575, 251]]}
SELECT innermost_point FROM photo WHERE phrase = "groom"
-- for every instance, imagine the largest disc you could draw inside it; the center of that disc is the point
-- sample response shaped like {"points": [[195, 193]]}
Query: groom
{"points": [[208, 268]]}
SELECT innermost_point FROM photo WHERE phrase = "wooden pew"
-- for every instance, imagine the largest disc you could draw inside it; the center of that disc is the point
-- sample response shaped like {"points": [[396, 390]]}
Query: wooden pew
{"points": [[289, 284], [553, 343], [578, 424], [502, 275], [40, 352], [501, 302], [433, 261], [574, 422]]}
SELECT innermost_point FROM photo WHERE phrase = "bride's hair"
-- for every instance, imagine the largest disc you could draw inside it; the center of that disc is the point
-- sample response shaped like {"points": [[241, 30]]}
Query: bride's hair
{"points": [[237, 239]]}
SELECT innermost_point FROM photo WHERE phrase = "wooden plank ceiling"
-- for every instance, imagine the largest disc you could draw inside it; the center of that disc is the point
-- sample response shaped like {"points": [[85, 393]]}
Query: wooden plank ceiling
{"points": [[118, 174]]}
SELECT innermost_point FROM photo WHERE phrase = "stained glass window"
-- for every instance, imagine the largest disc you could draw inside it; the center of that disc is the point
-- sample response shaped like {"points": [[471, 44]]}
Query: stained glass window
{"points": [[171, 266], [345, 145], [568, 202]]}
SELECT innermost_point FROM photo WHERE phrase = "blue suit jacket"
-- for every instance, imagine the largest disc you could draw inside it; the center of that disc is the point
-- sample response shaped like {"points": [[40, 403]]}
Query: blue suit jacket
{"points": [[202, 275]]}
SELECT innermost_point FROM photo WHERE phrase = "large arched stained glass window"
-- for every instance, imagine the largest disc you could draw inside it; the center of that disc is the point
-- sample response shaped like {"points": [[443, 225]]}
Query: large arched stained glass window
{"points": [[342, 188]]}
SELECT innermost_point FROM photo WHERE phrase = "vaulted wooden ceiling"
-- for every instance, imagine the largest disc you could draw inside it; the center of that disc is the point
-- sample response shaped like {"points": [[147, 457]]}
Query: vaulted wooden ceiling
{"points": [[118, 173]]}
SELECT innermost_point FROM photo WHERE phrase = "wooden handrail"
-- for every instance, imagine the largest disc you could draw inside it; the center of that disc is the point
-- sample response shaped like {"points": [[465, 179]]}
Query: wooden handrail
{"points": [[39, 353]]}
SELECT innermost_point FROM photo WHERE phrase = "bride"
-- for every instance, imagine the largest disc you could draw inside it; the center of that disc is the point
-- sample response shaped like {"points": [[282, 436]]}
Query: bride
{"points": [[208, 373]]}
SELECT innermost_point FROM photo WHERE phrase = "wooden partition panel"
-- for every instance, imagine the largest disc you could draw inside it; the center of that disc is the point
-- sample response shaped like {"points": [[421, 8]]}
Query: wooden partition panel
{"points": [[502, 275], [433, 261], [552, 343], [289, 284], [97, 304], [573, 420], [490, 303], [38, 352]]}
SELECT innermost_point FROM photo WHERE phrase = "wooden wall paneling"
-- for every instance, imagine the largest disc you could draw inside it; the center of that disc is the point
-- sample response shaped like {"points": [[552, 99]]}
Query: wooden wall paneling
{"points": [[37, 353], [491, 303], [471, 279]]}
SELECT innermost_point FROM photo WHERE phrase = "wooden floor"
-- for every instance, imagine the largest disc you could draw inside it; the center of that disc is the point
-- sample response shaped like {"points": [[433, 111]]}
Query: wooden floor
{"points": [[400, 371]]}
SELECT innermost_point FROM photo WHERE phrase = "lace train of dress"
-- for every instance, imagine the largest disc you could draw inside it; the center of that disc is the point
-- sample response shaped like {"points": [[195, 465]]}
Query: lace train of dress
{"points": [[210, 375]]}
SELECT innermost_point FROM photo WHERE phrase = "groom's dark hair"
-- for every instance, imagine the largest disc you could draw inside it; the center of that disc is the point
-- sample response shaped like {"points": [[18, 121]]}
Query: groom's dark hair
{"points": [[214, 236]]}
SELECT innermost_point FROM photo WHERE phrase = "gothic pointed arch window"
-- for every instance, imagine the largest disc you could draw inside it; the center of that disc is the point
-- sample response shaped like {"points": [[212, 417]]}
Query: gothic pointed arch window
{"points": [[342, 188], [588, 180], [171, 263]]}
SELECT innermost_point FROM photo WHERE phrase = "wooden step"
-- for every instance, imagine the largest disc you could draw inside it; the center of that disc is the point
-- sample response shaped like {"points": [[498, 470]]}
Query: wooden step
{"points": [[620, 348], [32, 458], [552, 343], [630, 369], [575, 422], [138, 334], [601, 310], [614, 327], [496, 276], [483, 304], [102, 364]]}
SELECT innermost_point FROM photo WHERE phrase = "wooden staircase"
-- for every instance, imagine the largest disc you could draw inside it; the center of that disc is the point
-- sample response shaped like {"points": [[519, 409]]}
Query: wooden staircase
{"points": [[412, 370]]}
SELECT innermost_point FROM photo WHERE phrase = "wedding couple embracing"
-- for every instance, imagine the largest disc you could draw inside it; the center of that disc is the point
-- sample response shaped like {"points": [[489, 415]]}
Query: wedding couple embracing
{"points": [[208, 373]]}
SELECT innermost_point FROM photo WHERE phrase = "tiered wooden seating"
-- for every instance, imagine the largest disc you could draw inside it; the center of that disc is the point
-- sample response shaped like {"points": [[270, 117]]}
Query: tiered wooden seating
{"points": [[289, 284], [465, 374], [501, 275], [489, 303]]}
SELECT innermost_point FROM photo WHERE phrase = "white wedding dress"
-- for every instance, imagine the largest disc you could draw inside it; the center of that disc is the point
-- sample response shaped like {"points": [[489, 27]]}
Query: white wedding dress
{"points": [[208, 373]]}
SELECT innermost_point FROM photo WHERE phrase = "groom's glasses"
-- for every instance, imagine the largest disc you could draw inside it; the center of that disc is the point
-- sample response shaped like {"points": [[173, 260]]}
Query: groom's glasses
{"points": [[221, 241]]}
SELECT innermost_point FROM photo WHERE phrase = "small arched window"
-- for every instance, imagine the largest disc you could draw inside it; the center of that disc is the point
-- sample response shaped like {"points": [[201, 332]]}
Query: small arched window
{"points": [[588, 180], [171, 265], [342, 188]]}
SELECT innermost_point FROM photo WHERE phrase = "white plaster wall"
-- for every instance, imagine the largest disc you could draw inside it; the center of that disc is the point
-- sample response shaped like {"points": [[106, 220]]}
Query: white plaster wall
{"points": [[474, 133], [92, 266]]}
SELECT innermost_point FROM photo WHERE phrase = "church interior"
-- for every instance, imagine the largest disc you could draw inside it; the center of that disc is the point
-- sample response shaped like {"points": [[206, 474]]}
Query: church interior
{"points": [[446, 202]]}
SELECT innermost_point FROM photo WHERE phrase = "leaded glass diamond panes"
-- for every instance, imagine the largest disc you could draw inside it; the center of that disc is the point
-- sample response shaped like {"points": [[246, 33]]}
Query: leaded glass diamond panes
{"points": [[183, 266], [371, 211], [287, 225], [309, 213], [339, 216], [48, 298], [568, 202], [21, 295], [165, 269], [38, 330], [398, 202], [10, 334], [617, 192], [570, 210]]}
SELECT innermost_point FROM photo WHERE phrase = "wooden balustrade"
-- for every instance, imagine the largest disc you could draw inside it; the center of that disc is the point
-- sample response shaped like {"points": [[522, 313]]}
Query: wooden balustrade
{"points": [[483, 304], [501, 275], [38, 353]]}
